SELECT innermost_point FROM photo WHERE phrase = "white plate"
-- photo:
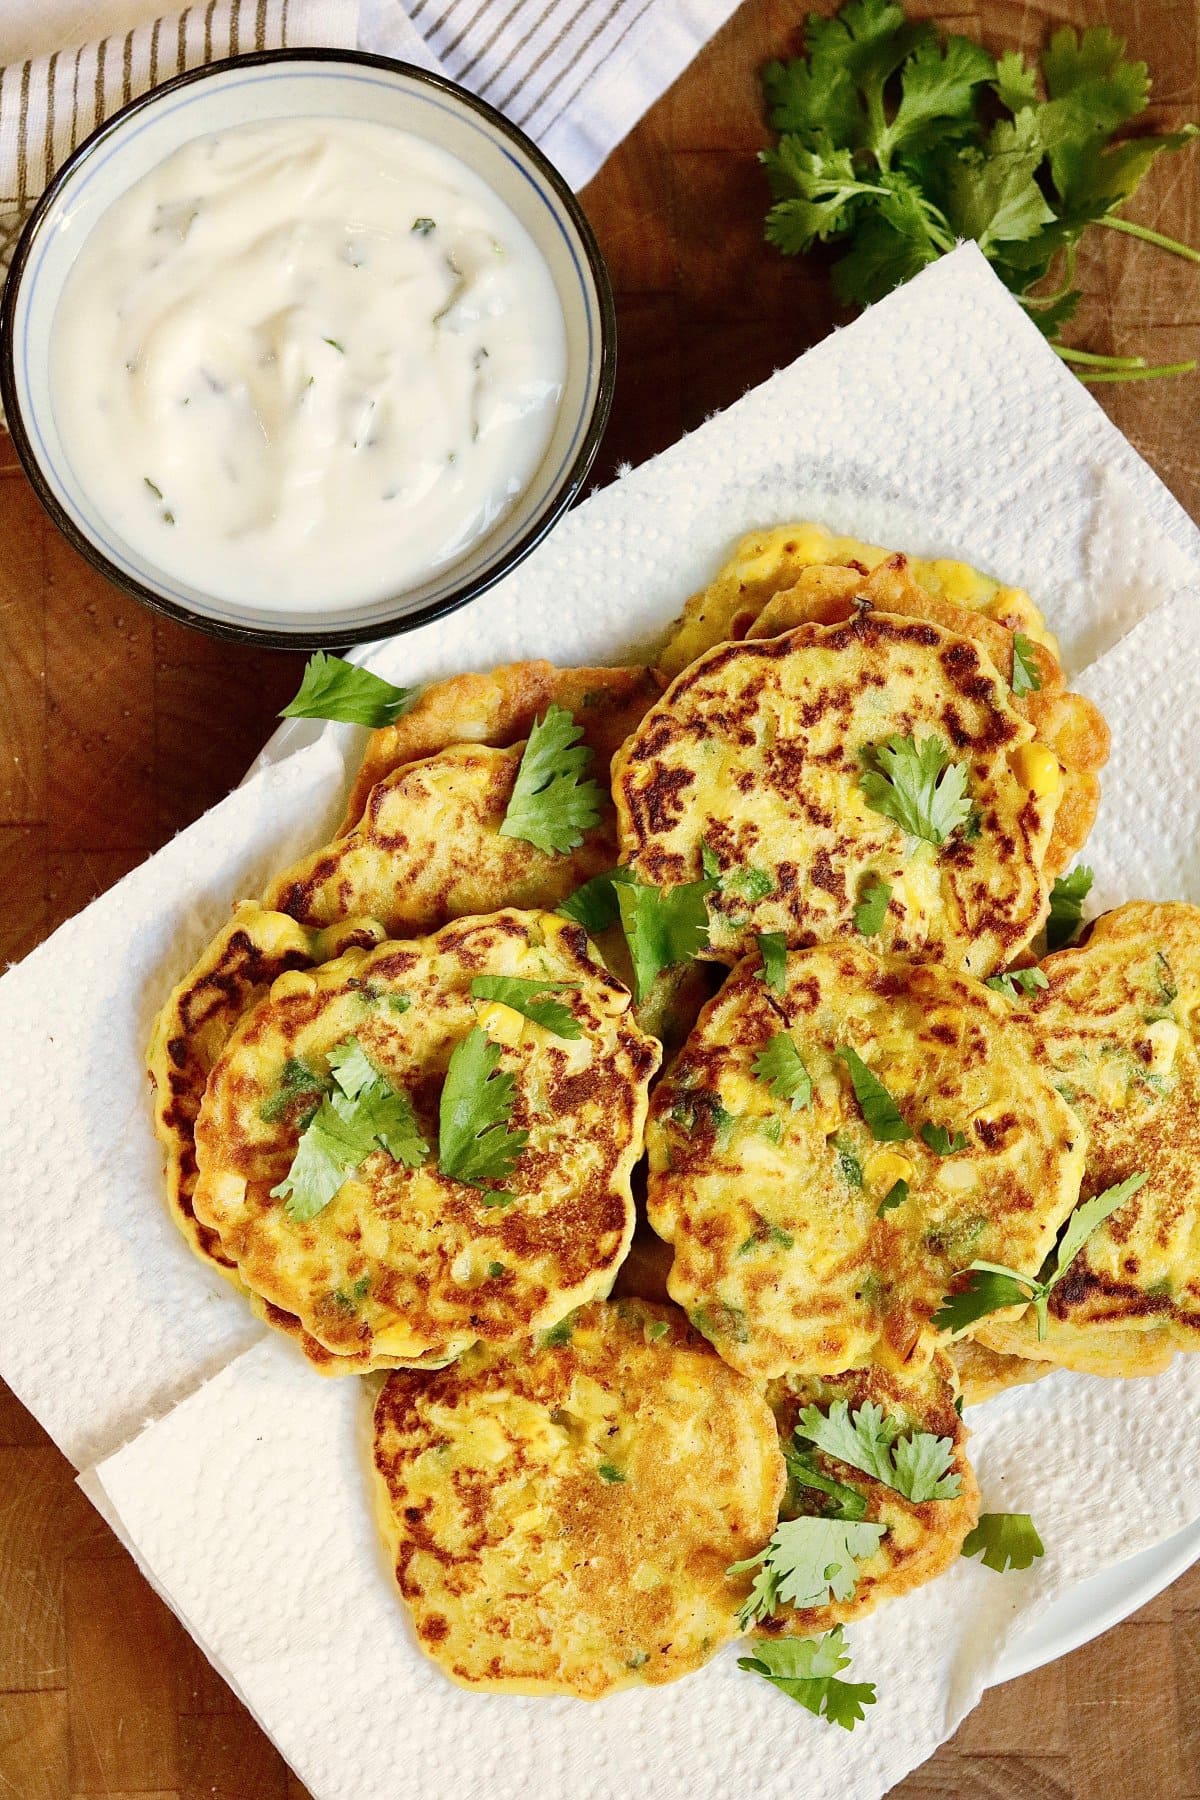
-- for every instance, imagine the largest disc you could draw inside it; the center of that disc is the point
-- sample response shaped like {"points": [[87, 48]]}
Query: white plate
{"points": [[1076, 1617], [1099, 1603]]}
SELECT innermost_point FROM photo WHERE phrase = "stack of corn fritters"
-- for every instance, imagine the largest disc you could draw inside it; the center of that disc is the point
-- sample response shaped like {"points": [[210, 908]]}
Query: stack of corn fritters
{"points": [[564, 1480]]}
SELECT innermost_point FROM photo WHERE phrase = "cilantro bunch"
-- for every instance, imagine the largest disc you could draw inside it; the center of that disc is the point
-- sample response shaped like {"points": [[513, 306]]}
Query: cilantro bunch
{"points": [[895, 145]]}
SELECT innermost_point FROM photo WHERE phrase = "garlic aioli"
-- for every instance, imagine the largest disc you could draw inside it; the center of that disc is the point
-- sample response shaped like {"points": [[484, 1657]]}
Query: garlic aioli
{"points": [[306, 364]]}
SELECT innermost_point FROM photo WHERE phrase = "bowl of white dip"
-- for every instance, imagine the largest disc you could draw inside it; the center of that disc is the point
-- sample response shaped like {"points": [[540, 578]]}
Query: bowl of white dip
{"points": [[307, 347]]}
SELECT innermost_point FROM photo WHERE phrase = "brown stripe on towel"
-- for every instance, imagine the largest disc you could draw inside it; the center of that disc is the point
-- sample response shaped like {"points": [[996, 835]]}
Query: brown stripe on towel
{"points": [[75, 99], [580, 85], [98, 92], [48, 139], [482, 49], [549, 49], [22, 146]]}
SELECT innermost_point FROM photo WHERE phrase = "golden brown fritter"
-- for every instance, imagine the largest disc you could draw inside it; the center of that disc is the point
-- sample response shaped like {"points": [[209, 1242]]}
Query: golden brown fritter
{"points": [[781, 1253], [500, 709], [1116, 1029], [765, 562], [561, 1517], [750, 768], [1068, 724], [428, 849], [405, 1265], [234, 972], [922, 1538], [981, 1373]]}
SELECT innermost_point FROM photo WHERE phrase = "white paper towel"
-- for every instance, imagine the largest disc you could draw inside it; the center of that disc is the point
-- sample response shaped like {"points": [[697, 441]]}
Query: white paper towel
{"points": [[108, 1318], [939, 422], [249, 1509]]}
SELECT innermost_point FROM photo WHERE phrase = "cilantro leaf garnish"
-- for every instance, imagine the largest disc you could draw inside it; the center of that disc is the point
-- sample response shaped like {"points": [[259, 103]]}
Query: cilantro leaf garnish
{"points": [[916, 786], [1026, 676], [330, 1150], [1066, 906], [807, 1670], [475, 1144], [872, 907], [805, 1562], [552, 805], [772, 947], [890, 148], [941, 1140], [1088, 1218], [896, 1195], [992, 1286], [987, 1291], [914, 1464], [877, 1106], [842, 1501], [781, 1066], [532, 999], [362, 1114], [663, 926], [333, 688], [1008, 1541], [594, 905], [352, 1068], [1027, 980]]}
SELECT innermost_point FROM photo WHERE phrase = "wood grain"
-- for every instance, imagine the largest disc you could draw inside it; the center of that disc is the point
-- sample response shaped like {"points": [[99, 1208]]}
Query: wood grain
{"points": [[117, 729]]}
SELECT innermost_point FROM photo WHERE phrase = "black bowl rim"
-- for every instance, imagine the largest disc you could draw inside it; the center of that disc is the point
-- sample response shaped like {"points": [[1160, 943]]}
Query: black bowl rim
{"points": [[558, 501]]}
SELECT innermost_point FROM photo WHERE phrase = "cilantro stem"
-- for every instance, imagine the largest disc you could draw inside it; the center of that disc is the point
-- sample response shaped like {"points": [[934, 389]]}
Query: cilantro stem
{"points": [[1117, 368], [1091, 357], [1183, 368], [1040, 302], [1144, 232]]}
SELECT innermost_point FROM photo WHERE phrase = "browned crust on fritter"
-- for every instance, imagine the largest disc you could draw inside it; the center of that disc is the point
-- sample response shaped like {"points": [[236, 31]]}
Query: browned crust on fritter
{"points": [[923, 1539], [580, 1238], [771, 559], [500, 709], [234, 972], [784, 1261], [428, 848], [1070, 725], [724, 697], [982, 1373], [1137, 972], [529, 1575]]}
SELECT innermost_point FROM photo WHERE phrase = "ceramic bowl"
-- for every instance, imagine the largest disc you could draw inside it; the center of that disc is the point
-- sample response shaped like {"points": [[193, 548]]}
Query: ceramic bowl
{"points": [[290, 84]]}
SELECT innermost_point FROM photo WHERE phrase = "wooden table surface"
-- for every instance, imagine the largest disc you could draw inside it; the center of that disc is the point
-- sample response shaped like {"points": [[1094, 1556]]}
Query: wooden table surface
{"points": [[117, 729]]}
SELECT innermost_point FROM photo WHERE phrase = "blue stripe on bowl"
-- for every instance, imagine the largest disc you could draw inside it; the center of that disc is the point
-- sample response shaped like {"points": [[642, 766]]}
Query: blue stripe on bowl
{"points": [[151, 574]]}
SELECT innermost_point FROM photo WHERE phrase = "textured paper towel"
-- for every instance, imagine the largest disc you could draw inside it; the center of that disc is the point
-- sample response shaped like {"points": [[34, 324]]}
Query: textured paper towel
{"points": [[108, 1318], [249, 1509], [1107, 1469], [941, 422]]}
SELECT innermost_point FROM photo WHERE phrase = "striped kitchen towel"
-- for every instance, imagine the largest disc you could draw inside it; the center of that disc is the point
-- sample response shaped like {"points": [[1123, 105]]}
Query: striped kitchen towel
{"points": [[575, 74]]}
